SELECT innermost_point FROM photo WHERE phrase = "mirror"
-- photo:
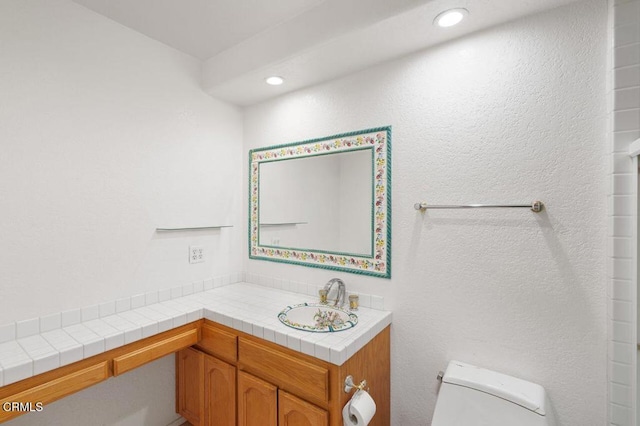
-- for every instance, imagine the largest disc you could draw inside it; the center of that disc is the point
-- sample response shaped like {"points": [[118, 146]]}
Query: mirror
{"points": [[334, 216], [323, 203]]}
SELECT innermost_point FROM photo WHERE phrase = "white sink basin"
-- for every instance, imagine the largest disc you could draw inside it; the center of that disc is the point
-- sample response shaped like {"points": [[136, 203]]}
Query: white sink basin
{"points": [[317, 318]]}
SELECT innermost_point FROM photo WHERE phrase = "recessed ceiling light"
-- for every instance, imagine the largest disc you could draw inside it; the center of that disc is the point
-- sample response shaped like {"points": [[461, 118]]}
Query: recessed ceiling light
{"points": [[450, 17], [275, 80]]}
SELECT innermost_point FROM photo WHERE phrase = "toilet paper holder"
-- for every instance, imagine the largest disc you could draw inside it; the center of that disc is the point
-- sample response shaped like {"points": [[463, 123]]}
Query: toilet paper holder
{"points": [[349, 384]]}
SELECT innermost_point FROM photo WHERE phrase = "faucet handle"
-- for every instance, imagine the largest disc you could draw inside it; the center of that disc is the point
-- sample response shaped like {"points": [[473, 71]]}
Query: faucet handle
{"points": [[323, 295]]}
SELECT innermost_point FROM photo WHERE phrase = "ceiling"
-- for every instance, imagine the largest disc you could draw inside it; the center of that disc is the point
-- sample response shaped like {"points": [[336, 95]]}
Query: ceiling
{"points": [[241, 42]]}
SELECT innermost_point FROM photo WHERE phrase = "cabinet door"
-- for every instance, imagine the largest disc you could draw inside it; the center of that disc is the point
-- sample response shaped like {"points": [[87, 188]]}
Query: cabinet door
{"points": [[293, 411], [219, 392], [190, 385], [257, 401]]}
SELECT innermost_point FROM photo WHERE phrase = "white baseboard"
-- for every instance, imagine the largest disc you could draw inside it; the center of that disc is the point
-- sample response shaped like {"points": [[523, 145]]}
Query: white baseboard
{"points": [[177, 422]]}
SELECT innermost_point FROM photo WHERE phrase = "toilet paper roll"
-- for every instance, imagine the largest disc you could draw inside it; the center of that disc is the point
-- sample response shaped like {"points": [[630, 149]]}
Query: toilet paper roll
{"points": [[359, 410]]}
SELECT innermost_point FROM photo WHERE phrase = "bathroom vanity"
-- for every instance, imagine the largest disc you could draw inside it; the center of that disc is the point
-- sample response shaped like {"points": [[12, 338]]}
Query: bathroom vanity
{"points": [[235, 362], [271, 385]]}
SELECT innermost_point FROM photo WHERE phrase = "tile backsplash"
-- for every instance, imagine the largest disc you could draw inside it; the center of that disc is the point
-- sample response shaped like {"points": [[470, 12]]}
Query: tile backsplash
{"points": [[83, 316], [366, 300]]}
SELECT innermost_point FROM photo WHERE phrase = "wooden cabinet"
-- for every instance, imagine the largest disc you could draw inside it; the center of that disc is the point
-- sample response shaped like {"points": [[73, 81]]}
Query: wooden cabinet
{"points": [[208, 388], [257, 401], [294, 411], [205, 389], [219, 392], [190, 385], [262, 404], [259, 383], [226, 377]]}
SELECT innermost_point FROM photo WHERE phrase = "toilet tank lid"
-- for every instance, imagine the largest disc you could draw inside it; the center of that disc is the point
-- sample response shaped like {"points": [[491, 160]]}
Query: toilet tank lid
{"points": [[526, 394]]}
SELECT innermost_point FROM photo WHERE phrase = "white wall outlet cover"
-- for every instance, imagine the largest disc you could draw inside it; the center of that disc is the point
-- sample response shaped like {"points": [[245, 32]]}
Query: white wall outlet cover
{"points": [[196, 254]]}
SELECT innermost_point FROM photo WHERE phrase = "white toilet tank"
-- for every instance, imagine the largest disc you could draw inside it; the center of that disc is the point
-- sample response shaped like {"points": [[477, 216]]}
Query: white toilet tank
{"points": [[472, 396]]}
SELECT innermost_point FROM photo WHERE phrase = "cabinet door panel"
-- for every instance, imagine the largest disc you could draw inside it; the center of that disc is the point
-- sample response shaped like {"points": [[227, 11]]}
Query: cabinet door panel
{"points": [[293, 411], [219, 392], [257, 401], [190, 384]]}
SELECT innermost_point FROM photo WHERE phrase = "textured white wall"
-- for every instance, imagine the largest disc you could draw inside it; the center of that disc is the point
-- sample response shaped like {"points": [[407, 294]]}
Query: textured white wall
{"points": [[105, 134], [507, 115]]}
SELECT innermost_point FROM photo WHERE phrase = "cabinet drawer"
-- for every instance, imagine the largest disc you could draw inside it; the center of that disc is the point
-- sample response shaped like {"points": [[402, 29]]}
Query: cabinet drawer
{"points": [[55, 389], [295, 375], [151, 352], [219, 343]]}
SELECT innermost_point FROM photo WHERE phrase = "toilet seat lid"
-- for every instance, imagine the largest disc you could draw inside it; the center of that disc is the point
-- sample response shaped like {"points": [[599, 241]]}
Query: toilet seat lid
{"points": [[526, 394]]}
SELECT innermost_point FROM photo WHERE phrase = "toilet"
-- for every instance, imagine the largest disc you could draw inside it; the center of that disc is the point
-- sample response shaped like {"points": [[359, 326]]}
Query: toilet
{"points": [[472, 396]]}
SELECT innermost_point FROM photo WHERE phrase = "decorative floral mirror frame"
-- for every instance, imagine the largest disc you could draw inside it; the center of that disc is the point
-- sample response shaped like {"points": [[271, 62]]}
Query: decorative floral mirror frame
{"points": [[378, 263]]}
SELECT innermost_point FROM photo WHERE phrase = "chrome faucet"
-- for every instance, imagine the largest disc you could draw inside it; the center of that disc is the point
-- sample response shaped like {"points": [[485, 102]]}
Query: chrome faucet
{"points": [[342, 291]]}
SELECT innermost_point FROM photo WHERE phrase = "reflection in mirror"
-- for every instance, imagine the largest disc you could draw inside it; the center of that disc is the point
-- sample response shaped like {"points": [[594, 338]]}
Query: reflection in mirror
{"points": [[318, 203], [323, 203]]}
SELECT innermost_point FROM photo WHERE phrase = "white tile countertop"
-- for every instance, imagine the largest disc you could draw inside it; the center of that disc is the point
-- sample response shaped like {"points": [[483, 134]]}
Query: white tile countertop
{"points": [[250, 308]]}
